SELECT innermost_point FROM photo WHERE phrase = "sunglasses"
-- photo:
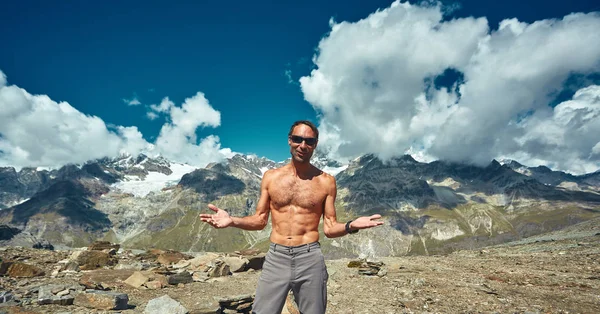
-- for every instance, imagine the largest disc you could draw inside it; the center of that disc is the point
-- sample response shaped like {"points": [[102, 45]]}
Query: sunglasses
{"points": [[310, 141]]}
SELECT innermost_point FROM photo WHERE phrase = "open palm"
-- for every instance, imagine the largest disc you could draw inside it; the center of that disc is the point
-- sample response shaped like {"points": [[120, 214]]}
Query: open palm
{"points": [[220, 219], [367, 222]]}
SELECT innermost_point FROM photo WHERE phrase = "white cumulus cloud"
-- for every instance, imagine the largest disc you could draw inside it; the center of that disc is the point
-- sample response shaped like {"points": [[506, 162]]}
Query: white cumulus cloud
{"points": [[374, 92], [2, 79], [151, 115], [566, 137], [38, 131], [164, 106], [177, 139], [132, 102]]}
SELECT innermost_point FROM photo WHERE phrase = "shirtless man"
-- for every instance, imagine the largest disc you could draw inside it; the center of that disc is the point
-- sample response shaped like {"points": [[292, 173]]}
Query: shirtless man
{"points": [[296, 195]]}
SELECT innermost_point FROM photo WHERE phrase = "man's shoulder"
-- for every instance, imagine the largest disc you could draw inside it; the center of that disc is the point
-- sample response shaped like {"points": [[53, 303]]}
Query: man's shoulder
{"points": [[274, 172], [329, 179], [323, 176]]}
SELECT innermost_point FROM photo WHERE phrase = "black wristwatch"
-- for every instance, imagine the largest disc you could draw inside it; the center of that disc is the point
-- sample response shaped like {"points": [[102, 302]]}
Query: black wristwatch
{"points": [[348, 228]]}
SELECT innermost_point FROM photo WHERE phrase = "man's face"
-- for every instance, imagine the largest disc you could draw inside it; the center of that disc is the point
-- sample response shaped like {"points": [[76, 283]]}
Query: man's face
{"points": [[302, 143]]}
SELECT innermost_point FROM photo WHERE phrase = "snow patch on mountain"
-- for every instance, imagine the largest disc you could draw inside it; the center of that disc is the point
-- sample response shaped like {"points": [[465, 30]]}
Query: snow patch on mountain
{"points": [[263, 170], [334, 170], [154, 181], [15, 203]]}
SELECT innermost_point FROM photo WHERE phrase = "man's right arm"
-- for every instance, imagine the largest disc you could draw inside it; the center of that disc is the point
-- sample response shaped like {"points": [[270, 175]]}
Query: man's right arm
{"points": [[258, 221]]}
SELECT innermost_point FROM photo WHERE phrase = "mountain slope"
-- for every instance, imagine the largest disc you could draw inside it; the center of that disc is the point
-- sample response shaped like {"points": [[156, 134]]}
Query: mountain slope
{"points": [[428, 208]]}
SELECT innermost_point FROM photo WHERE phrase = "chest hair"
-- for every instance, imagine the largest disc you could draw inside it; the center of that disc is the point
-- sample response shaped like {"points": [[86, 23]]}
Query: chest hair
{"points": [[305, 194]]}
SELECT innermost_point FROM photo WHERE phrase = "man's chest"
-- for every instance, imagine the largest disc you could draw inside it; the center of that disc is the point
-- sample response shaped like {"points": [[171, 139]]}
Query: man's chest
{"points": [[308, 194]]}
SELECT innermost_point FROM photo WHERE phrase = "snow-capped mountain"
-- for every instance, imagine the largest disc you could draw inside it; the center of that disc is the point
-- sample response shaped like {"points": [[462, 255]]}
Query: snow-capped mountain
{"points": [[551, 177], [141, 202]]}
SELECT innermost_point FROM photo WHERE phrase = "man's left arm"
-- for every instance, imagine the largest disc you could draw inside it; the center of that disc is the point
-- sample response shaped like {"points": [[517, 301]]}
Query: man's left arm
{"points": [[331, 226]]}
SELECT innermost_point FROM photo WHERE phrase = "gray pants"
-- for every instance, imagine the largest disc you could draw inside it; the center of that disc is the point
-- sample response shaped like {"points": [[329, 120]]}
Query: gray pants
{"points": [[299, 268]]}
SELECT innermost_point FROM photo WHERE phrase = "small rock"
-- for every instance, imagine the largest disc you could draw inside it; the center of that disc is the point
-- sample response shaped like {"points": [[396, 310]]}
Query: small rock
{"points": [[22, 270], [164, 281], [102, 300], [202, 260], [154, 285], [164, 304], [239, 302], [5, 296], [75, 255], [46, 296], [136, 280], [94, 259], [200, 276], [209, 308], [181, 264], [236, 264], [356, 263], [71, 266], [375, 264], [55, 271], [184, 277], [170, 257], [132, 266], [218, 268]]}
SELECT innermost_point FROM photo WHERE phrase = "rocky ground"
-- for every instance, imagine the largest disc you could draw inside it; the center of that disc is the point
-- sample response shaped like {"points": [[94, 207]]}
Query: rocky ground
{"points": [[554, 273]]}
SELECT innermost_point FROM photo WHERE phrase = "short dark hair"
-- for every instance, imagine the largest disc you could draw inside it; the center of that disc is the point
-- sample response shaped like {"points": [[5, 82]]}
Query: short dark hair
{"points": [[305, 122]]}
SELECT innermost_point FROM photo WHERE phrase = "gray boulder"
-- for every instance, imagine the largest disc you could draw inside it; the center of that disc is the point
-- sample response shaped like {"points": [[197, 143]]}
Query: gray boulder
{"points": [[163, 305]]}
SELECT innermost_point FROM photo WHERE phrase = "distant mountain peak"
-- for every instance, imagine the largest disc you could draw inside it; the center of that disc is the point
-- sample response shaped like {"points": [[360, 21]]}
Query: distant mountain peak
{"points": [[408, 158], [511, 163], [494, 164], [542, 169]]}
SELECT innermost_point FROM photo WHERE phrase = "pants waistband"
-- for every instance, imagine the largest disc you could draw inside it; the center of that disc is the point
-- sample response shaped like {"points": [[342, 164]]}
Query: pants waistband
{"points": [[304, 248]]}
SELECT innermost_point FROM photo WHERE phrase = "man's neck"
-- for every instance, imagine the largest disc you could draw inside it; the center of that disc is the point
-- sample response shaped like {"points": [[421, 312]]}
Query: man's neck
{"points": [[301, 168]]}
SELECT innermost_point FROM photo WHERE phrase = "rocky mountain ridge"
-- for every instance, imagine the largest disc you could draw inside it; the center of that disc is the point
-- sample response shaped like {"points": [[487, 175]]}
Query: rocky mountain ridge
{"points": [[18, 186], [143, 202]]}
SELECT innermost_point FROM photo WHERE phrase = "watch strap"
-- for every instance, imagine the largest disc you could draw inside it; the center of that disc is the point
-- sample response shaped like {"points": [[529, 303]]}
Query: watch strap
{"points": [[348, 228]]}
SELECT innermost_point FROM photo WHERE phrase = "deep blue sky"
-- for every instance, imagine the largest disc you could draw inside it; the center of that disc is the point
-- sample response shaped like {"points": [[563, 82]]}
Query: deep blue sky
{"points": [[93, 54]]}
